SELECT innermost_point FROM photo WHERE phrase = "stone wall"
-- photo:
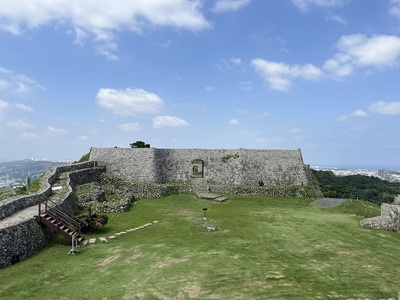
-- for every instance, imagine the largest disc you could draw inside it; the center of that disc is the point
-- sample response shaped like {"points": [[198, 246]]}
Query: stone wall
{"points": [[25, 236], [234, 167], [388, 220], [21, 241], [267, 191], [12, 205]]}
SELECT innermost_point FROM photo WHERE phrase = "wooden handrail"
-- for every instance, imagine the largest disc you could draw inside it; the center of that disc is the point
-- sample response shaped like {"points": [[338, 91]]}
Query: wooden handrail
{"points": [[60, 214]]}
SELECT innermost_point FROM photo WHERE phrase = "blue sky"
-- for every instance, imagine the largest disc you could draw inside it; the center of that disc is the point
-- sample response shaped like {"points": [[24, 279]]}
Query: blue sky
{"points": [[319, 75]]}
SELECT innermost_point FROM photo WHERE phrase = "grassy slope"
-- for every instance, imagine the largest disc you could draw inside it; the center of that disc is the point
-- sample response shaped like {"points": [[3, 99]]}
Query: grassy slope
{"points": [[265, 248]]}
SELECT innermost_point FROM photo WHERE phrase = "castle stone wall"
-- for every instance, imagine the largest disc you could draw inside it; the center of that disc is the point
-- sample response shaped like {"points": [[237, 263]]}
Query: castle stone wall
{"points": [[226, 166]]}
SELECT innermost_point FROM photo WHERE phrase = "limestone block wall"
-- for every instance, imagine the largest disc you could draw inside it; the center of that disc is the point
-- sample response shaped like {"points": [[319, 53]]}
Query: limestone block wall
{"points": [[21, 241], [12, 205], [388, 220], [226, 166], [26, 236]]}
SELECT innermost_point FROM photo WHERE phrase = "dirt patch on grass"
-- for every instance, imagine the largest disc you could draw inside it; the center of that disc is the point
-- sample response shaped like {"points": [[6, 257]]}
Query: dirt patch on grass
{"points": [[191, 290], [169, 261], [115, 254]]}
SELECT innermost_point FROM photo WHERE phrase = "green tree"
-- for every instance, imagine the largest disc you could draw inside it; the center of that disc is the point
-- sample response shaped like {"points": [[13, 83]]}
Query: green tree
{"points": [[139, 144]]}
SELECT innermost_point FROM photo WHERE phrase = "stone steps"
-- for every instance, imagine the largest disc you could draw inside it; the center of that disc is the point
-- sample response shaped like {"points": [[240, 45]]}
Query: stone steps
{"points": [[112, 237], [201, 190]]}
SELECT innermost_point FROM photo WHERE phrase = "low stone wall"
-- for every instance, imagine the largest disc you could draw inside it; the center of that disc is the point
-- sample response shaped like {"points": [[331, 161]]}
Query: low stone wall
{"points": [[22, 241], [139, 190], [268, 191], [15, 204], [388, 220], [27, 237]]}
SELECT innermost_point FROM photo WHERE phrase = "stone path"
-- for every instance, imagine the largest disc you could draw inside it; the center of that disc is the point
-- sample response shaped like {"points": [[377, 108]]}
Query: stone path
{"points": [[112, 237]]}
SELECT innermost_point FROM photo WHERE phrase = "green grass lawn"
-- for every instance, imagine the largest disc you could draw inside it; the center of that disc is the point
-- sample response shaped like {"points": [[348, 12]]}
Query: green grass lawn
{"points": [[264, 248]]}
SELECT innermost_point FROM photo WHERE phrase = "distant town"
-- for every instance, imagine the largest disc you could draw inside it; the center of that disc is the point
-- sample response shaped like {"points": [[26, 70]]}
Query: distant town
{"points": [[385, 174], [17, 173]]}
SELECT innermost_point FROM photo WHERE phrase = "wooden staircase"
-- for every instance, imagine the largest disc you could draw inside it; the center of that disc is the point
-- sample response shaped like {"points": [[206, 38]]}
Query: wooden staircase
{"points": [[60, 221]]}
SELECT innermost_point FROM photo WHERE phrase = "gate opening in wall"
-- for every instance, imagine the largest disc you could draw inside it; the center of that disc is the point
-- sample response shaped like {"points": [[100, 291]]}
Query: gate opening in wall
{"points": [[197, 168]]}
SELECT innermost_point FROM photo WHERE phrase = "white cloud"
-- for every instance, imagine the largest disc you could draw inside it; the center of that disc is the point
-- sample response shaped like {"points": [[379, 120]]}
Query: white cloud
{"points": [[264, 115], [24, 107], [4, 84], [234, 122], [53, 130], [29, 135], [3, 106], [343, 118], [304, 5], [294, 130], [360, 51], [246, 85], [337, 19], [99, 20], [394, 9], [222, 6], [129, 101], [385, 108], [236, 60], [129, 127], [359, 113], [163, 121], [18, 124], [279, 75], [19, 83], [82, 138], [209, 88]]}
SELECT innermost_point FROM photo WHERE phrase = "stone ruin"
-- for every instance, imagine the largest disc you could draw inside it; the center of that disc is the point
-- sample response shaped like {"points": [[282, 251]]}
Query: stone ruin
{"points": [[389, 218]]}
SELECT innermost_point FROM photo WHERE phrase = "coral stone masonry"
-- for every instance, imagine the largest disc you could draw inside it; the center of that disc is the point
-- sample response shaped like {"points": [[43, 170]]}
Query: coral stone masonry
{"points": [[224, 166]]}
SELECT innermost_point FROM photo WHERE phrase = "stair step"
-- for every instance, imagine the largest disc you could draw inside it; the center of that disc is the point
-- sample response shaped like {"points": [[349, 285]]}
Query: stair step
{"points": [[220, 199], [207, 195]]}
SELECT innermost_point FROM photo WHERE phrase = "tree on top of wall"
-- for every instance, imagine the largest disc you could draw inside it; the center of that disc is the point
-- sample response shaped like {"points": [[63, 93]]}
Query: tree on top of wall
{"points": [[139, 144]]}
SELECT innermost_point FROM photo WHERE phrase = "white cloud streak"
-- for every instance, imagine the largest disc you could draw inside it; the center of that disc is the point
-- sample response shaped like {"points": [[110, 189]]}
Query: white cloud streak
{"points": [[234, 122], [129, 101], [129, 127], [169, 121], [17, 83], [3, 106], [394, 9], [305, 5], [99, 20], [24, 107], [53, 130], [222, 6], [18, 124], [385, 108], [279, 75], [359, 113], [358, 50]]}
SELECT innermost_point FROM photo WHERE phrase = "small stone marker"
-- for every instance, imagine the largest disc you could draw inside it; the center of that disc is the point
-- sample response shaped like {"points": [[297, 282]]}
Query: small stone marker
{"points": [[112, 237], [211, 228], [155, 222], [92, 241], [103, 240]]}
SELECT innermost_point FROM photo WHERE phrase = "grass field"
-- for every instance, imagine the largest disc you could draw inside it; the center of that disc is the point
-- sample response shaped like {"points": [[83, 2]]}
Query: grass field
{"points": [[264, 248]]}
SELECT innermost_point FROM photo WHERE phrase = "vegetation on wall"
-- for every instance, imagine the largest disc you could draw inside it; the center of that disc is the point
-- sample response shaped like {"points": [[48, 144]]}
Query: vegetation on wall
{"points": [[362, 187], [229, 156], [139, 144], [85, 157]]}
